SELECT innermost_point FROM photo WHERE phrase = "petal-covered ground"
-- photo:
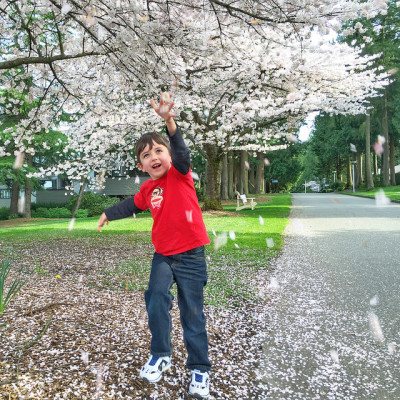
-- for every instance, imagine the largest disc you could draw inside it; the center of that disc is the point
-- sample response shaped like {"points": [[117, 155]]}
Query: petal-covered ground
{"points": [[78, 329]]}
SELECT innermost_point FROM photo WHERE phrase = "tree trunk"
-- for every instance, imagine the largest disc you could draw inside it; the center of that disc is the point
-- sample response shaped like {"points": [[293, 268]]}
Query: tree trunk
{"points": [[339, 168], [358, 170], [392, 162], [80, 195], [375, 166], [28, 190], [224, 178], [385, 129], [260, 174], [236, 177], [230, 175], [14, 198], [349, 173], [212, 198], [368, 173], [244, 175], [252, 184]]}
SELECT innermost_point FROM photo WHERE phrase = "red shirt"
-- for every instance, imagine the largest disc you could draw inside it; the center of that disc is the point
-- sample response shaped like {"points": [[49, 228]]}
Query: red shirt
{"points": [[178, 223]]}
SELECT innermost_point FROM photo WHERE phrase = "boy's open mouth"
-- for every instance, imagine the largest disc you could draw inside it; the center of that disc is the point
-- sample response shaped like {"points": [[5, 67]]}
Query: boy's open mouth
{"points": [[156, 166]]}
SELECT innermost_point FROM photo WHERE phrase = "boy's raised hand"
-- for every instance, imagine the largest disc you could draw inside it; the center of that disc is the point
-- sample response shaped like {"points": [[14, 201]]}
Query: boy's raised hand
{"points": [[103, 220], [164, 111], [164, 108]]}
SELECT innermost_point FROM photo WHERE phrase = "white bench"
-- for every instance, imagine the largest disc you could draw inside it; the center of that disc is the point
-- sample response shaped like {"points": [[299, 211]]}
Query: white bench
{"points": [[244, 202]]}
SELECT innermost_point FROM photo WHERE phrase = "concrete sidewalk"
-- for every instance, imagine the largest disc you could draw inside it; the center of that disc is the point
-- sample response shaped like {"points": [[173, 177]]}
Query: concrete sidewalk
{"points": [[333, 325]]}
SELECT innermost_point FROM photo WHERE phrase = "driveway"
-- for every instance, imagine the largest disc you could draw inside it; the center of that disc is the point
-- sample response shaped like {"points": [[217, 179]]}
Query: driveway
{"points": [[332, 329]]}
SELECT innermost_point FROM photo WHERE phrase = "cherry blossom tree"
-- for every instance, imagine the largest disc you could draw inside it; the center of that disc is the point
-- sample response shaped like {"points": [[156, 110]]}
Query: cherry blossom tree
{"points": [[243, 74]]}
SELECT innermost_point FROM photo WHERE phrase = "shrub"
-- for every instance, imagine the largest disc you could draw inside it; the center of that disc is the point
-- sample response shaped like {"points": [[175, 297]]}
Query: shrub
{"points": [[59, 213], [4, 213], [13, 216], [337, 186], [81, 214], [40, 212], [36, 206], [94, 203]]}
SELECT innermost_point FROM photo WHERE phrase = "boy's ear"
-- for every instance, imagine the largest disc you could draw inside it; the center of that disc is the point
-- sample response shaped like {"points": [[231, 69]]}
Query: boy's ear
{"points": [[140, 166]]}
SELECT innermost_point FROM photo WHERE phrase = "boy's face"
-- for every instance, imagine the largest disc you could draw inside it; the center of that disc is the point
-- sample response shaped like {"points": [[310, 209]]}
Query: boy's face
{"points": [[155, 161]]}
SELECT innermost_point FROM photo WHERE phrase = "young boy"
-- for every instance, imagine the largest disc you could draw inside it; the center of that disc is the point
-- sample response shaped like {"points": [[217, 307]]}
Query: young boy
{"points": [[179, 236]]}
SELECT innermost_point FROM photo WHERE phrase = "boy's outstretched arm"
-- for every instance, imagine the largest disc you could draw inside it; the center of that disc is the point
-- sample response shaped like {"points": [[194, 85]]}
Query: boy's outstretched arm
{"points": [[123, 209], [163, 109]]}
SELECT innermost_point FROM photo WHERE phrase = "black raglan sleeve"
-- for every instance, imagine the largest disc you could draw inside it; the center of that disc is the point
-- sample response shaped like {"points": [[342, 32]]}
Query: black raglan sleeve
{"points": [[179, 152], [123, 209]]}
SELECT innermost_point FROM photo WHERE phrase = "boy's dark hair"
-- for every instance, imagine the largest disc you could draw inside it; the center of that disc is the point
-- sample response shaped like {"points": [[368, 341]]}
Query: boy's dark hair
{"points": [[147, 139]]}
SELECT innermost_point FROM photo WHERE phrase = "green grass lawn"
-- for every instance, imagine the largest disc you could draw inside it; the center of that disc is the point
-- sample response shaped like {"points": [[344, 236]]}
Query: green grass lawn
{"points": [[252, 238], [392, 192]]}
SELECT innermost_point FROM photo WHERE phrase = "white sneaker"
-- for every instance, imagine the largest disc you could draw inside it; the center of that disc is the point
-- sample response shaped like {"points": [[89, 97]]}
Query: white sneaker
{"points": [[199, 385], [153, 369]]}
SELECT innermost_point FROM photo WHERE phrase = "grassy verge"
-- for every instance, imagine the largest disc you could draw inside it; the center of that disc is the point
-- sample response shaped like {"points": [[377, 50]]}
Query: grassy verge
{"points": [[252, 237], [392, 192]]}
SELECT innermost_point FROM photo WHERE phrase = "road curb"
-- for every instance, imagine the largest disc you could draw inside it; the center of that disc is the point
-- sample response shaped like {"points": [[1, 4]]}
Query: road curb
{"points": [[366, 197]]}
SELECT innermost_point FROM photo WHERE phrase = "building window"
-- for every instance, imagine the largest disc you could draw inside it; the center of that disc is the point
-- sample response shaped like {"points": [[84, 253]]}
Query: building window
{"points": [[5, 194], [50, 184]]}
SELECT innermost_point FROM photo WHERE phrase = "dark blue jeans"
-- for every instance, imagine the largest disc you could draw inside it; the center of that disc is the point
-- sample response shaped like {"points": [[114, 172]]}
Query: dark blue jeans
{"points": [[189, 271]]}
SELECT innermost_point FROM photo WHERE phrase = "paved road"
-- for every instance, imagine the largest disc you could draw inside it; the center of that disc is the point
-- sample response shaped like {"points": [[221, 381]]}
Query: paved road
{"points": [[333, 326]]}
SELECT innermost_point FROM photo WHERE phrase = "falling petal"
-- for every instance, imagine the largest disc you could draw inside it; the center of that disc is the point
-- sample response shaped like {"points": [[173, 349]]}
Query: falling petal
{"points": [[21, 204], [213, 232], [71, 224], [292, 138], [261, 219], [267, 162], [353, 148], [247, 165], [273, 284], [236, 245], [381, 139], [270, 242], [375, 327], [378, 148], [134, 215], [232, 235], [137, 179], [334, 355], [99, 378], [391, 348], [80, 279], [65, 9], [195, 176], [220, 240], [189, 216], [19, 160], [380, 199], [175, 84], [85, 357], [374, 301], [165, 97]]}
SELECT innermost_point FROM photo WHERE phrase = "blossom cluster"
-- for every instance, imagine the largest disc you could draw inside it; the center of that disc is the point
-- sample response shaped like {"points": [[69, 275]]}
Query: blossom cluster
{"points": [[240, 79]]}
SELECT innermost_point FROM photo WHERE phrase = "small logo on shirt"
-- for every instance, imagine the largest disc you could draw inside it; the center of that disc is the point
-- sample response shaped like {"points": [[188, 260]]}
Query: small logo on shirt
{"points": [[156, 197]]}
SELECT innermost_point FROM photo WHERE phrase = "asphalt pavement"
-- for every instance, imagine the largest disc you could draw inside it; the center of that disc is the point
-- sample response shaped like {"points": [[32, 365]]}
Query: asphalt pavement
{"points": [[332, 327]]}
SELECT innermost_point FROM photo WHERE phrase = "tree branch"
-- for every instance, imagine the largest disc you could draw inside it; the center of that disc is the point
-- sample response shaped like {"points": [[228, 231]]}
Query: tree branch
{"points": [[16, 62]]}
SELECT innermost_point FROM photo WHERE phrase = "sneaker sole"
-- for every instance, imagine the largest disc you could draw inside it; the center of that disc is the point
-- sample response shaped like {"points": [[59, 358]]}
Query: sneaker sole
{"points": [[159, 378], [198, 396]]}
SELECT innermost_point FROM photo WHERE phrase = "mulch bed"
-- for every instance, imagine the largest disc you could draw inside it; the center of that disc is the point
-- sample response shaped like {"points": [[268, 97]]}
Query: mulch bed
{"points": [[67, 337]]}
